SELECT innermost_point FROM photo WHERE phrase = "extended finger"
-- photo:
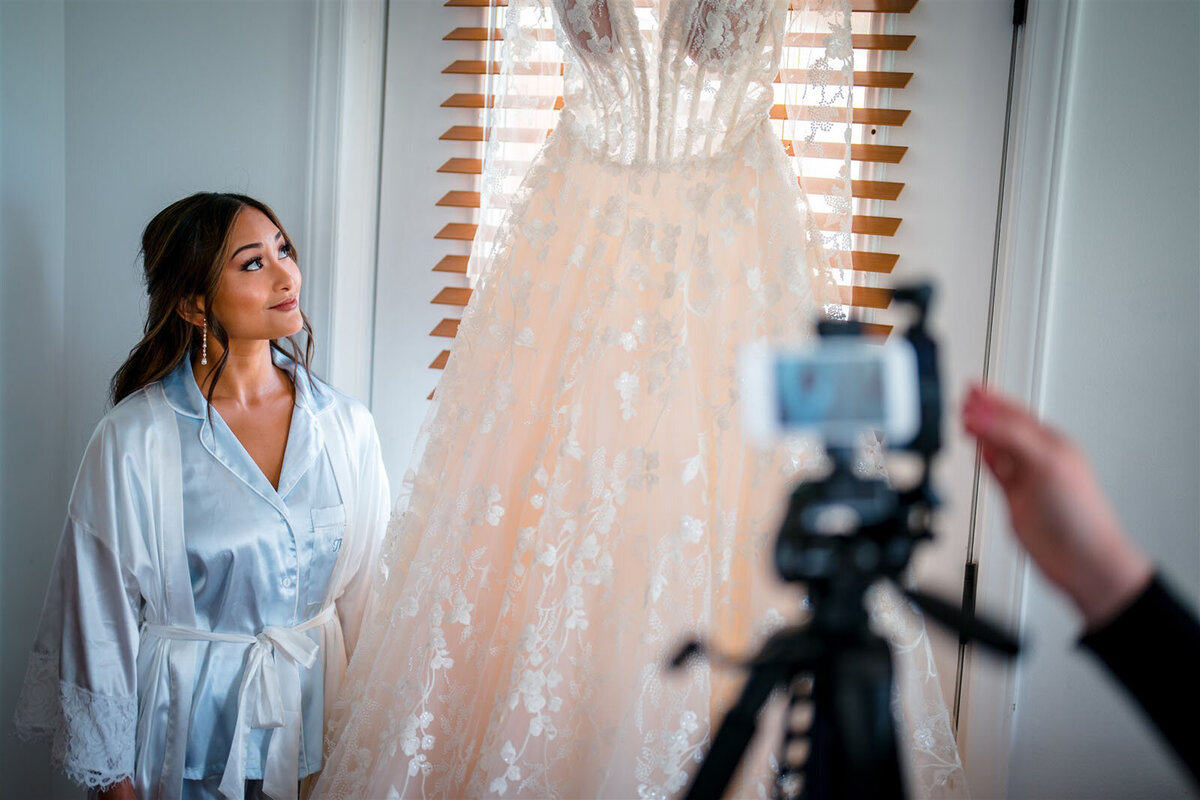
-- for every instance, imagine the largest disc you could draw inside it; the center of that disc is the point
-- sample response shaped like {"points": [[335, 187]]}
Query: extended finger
{"points": [[1005, 426]]}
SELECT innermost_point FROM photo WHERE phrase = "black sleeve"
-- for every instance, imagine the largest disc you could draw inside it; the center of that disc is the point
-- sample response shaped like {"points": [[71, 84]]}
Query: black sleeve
{"points": [[1153, 647]]}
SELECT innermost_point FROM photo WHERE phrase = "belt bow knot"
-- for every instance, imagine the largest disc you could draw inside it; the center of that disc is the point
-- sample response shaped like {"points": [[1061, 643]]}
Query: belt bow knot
{"points": [[269, 697]]}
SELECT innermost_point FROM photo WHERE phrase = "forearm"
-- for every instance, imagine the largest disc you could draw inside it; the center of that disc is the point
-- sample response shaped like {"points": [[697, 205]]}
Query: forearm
{"points": [[1106, 578], [1152, 647]]}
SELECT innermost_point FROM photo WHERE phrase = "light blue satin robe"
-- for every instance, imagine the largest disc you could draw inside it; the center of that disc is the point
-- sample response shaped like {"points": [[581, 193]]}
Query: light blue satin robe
{"points": [[171, 523], [257, 556]]}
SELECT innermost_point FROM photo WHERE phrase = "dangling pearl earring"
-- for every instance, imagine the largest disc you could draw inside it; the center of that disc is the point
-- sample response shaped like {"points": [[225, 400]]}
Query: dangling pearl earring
{"points": [[204, 344]]}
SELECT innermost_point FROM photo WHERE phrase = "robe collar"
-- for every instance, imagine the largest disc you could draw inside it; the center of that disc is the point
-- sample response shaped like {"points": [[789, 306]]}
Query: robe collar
{"points": [[305, 441]]}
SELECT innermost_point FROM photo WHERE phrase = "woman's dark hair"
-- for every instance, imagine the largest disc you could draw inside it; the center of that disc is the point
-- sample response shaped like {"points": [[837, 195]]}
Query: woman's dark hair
{"points": [[184, 249]]}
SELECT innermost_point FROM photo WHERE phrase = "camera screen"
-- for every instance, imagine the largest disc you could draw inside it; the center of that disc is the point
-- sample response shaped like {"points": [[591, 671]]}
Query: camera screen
{"points": [[815, 391]]}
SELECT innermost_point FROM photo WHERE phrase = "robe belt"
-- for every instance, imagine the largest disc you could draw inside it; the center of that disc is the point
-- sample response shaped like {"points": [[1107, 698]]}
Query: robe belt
{"points": [[271, 679]]}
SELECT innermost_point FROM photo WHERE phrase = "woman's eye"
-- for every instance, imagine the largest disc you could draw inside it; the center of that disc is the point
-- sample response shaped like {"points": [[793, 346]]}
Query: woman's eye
{"points": [[285, 250], [252, 265]]}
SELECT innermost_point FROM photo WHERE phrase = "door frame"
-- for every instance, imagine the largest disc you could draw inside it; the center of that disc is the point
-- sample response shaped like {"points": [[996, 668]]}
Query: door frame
{"points": [[343, 210], [988, 691]]}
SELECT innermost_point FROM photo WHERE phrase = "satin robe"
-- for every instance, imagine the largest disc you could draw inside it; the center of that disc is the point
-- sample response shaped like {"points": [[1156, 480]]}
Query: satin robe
{"points": [[118, 680]]}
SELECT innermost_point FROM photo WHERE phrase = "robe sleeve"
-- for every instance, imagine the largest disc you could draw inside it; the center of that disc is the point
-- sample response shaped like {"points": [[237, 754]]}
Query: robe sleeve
{"points": [[80, 690], [374, 507]]}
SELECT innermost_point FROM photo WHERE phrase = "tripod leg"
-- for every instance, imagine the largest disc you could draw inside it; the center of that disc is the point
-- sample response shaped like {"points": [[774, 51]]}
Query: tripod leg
{"points": [[735, 733], [853, 740]]}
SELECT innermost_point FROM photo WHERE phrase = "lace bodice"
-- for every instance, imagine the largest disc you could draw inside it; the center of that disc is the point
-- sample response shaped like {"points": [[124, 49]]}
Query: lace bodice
{"points": [[669, 79], [652, 84]]}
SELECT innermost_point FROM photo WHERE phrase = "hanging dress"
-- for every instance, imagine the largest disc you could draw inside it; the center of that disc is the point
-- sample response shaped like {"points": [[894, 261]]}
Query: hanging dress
{"points": [[585, 498]]}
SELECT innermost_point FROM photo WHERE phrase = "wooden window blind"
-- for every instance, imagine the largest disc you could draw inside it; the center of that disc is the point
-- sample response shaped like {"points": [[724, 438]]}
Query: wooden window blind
{"points": [[478, 24]]}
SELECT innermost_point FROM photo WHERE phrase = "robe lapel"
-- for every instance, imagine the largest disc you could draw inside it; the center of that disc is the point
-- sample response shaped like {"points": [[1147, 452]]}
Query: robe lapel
{"points": [[178, 604], [305, 440]]}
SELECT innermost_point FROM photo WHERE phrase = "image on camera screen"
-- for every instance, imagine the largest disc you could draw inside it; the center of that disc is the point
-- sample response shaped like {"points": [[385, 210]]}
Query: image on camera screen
{"points": [[816, 392]]}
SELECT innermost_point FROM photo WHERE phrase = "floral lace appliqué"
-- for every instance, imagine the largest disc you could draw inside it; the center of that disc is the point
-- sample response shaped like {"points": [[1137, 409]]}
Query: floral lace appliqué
{"points": [[91, 735]]}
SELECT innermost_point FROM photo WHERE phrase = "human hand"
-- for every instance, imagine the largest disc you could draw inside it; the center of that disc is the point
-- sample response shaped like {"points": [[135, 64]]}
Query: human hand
{"points": [[1058, 511], [118, 791]]}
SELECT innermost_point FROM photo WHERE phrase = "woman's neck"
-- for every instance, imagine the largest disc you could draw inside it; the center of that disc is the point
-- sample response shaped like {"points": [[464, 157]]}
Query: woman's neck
{"points": [[249, 377]]}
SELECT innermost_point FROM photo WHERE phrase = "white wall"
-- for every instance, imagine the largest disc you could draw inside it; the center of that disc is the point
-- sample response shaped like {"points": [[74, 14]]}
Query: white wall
{"points": [[34, 476], [1120, 372], [108, 112]]}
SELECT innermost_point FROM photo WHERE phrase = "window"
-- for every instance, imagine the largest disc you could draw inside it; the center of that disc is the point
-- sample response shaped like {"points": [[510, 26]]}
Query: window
{"points": [[470, 115]]}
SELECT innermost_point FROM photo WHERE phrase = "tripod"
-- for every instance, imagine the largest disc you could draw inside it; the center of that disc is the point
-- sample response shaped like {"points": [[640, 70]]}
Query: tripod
{"points": [[852, 747]]}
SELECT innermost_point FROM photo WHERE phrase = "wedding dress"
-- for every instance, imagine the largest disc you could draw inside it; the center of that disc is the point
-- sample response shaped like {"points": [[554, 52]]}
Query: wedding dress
{"points": [[585, 499]]}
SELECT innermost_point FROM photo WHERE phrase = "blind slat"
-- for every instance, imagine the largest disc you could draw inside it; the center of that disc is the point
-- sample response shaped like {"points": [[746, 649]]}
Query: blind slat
{"points": [[457, 232], [859, 41], [866, 190], [861, 296], [870, 190], [463, 166], [447, 328], [860, 223], [876, 153], [858, 296], [474, 133], [456, 264], [476, 100], [865, 116], [874, 79], [875, 329], [865, 224], [868, 261], [866, 297], [457, 199], [860, 116], [871, 329], [894, 116], [452, 296], [870, 6], [860, 260]]}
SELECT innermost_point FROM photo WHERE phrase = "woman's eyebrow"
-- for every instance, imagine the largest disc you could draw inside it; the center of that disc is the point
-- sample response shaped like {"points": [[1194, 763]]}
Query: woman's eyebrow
{"points": [[278, 236], [245, 247]]}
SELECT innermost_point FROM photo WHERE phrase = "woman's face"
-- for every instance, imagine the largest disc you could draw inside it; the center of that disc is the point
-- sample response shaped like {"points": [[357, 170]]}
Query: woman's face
{"points": [[258, 296]]}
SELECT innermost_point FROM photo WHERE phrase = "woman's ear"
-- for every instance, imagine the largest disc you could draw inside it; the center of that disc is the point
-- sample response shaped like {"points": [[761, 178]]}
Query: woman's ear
{"points": [[191, 308]]}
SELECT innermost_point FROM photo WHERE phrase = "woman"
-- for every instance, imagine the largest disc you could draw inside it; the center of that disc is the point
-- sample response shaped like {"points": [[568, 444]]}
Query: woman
{"points": [[220, 537]]}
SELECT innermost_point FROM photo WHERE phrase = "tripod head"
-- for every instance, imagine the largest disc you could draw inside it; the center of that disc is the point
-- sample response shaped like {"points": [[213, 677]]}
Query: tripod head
{"points": [[841, 534]]}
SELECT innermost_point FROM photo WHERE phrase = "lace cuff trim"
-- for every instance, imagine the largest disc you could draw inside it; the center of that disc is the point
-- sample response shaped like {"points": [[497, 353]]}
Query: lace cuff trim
{"points": [[92, 736]]}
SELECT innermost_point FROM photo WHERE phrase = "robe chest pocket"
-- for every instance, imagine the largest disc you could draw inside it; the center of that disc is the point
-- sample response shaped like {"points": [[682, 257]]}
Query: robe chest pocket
{"points": [[328, 526]]}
